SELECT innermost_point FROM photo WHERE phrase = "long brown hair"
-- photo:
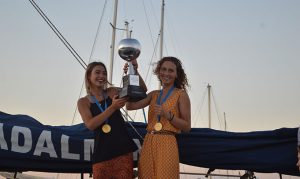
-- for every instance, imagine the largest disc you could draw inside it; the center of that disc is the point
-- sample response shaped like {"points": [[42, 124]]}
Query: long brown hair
{"points": [[181, 81], [88, 73]]}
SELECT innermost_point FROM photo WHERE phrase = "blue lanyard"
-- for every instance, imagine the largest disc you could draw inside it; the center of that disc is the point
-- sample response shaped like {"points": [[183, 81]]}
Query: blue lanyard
{"points": [[99, 106], [164, 99]]}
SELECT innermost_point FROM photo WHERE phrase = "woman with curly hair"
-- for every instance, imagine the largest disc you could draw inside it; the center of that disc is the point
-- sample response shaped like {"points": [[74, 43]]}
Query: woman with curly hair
{"points": [[169, 113]]}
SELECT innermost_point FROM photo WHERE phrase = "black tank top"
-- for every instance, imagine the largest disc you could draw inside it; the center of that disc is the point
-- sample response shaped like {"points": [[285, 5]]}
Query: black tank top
{"points": [[115, 143]]}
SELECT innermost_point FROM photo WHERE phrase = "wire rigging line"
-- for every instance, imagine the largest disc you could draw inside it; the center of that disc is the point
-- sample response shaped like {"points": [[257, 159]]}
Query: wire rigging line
{"points": [[216, 107], [171, 33], [71, 49], [75, 112], [58, 34], [154, 14], [131, 124], [98, 30], [151, 61], [92, 52], [154, 52], [196, 114], [153, 44], [148, 24]]}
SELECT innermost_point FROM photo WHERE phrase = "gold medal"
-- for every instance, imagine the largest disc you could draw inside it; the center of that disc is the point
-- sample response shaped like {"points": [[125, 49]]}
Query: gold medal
{"points": [[158, 126], [106, 128]]}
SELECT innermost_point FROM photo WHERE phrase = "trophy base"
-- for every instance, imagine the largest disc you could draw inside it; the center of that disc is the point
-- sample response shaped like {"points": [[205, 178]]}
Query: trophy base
{"points": [[135, 93]]}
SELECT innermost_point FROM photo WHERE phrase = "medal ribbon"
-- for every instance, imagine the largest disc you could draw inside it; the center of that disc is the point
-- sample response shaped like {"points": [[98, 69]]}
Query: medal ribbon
{"points": [[99, 106], [164, 99]]}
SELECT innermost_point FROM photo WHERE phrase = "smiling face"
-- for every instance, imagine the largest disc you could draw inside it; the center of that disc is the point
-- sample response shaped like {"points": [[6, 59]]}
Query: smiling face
{"points": [[98, 77], [167, 73], [95, 76]]}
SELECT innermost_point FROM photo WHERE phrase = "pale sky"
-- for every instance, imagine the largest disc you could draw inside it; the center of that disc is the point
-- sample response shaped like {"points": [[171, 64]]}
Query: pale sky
{"points": [[247, 50]]}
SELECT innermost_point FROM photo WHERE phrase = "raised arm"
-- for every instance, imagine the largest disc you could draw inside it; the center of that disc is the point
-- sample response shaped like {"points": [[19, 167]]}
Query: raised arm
{"points": [[142, 82]]}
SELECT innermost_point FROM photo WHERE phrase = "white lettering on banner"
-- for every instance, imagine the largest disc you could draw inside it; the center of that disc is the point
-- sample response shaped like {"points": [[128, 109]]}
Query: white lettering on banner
{"points": [[45, 138], [15, 133], [88, 149], [22, 141], [65, 149], [3, 144]]}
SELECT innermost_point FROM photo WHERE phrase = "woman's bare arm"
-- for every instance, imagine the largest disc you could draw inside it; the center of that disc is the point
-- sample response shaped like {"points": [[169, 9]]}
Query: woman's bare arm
{"points": [[183, 122], [139, 104]]}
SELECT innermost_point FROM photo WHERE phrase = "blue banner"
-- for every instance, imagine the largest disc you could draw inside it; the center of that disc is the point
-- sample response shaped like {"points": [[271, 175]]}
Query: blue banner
{"points": [[27, 145]]}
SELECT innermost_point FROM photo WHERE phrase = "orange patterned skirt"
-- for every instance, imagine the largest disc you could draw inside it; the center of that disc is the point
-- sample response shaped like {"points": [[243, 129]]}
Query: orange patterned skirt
{"points": [[159, 157], [117, 168]]}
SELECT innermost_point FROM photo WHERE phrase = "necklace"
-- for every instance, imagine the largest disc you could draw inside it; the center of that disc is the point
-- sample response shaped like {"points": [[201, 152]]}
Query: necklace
{"points": [[158, 126], [106, 128]]}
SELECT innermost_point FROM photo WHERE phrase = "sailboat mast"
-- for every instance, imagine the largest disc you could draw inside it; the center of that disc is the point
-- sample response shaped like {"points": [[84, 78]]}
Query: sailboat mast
{"points": [[225, 122], [209, 111], [209, 106], [161, 34], [113, 39], [162, 29]]}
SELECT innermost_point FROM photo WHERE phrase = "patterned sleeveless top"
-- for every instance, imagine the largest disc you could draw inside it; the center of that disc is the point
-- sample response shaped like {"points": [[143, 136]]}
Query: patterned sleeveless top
{"points": [[171, 104]]}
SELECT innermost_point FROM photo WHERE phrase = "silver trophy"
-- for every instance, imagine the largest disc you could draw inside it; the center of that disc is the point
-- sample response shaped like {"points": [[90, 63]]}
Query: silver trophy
{"points": [[129, 49]]}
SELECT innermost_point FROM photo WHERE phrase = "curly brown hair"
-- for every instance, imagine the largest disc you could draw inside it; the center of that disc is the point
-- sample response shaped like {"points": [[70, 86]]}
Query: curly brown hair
{"points": [[181, 81]]}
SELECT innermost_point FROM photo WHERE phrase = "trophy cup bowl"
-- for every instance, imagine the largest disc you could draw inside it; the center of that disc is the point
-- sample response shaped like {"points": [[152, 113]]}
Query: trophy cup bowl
{"points": [[129, 49]]}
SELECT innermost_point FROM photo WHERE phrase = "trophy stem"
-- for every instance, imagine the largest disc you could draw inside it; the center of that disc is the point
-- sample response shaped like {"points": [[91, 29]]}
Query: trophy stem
{"points": [[131, 69]]}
